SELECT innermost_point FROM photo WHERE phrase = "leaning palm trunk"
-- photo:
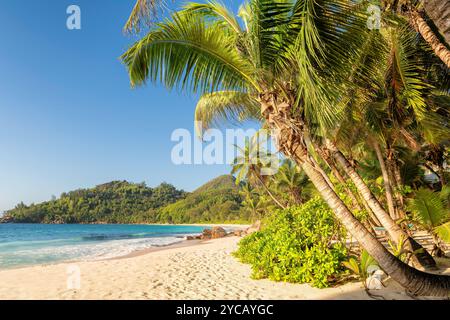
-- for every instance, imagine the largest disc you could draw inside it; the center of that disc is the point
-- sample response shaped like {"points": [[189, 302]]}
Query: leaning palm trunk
{"points": [[421, 258], [373, 221], [386, 181], [439, 12], [278, 203], [289, 134], [428, 35], [398, 185], [352, 196]]}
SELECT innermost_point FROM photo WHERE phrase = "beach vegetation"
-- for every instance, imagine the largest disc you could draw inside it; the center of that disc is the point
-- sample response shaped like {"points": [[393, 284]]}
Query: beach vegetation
{"points": [[333, 92], [300, 244]]}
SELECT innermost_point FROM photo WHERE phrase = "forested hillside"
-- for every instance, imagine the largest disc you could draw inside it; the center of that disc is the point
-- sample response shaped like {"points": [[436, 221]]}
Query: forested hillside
{"points": [[216, 201], [125, 202]]}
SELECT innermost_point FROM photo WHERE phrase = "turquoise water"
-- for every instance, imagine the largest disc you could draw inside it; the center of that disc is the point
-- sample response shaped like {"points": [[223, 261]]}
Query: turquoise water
{"points": [[30, 244]]}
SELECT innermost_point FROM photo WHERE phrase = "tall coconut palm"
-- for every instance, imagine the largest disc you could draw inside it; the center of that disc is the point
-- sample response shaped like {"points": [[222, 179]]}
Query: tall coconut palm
{"points": [[439, 12], [253, 202], [288, 57], [290, 178], [249, 165], [143, 13], [392, 94], [413, 11]]}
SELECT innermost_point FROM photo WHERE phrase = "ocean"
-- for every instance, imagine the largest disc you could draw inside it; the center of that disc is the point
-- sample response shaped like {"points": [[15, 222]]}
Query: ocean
{"points": [[31, 244]]}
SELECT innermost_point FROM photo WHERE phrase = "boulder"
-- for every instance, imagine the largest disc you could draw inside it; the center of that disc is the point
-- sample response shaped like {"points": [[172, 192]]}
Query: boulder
{"points": [[206, 234], [239, 232], [6, 219], [254, 227], [218, 232], [196, 237]]}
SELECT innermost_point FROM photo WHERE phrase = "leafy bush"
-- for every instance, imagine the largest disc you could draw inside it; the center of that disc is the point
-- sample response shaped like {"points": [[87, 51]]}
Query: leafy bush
{"points": [[301, 244]]}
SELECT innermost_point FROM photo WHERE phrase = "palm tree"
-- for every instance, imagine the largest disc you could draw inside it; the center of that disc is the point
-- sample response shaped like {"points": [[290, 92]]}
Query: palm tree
{"points": [[288, 57], [249, 164], [430, 210], [253, 203], [439, 12], [290, 178], [389, 102], [412, 10]]}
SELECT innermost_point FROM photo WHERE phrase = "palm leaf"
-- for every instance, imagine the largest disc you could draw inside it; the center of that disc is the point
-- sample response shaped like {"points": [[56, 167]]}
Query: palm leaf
{"points": [[144, 11], [443, 231], [213, 108], [428, 208], [187, 52], [214, 9]]}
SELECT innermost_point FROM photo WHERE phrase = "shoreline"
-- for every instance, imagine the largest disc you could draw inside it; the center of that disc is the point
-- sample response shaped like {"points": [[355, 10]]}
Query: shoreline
{"points": [[239, 225], [202, 269], [135, 253], [138, 252]]}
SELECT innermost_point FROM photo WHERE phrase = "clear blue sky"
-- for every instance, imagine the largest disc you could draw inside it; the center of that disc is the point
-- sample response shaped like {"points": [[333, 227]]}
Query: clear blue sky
{"points": [[68, 117]]}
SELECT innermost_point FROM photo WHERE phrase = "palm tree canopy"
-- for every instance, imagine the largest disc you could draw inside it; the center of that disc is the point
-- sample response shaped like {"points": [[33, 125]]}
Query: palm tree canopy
{"points": [[301, 49]]}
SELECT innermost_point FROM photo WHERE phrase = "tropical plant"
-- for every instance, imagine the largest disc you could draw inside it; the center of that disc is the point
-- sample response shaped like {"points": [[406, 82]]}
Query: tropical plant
{"points": [[143, 13], [360, 266], [289, 178], [301, 244], [431, 211], [412, 10], [255, 204], [392, 105], [250, 165], [287, 57]]}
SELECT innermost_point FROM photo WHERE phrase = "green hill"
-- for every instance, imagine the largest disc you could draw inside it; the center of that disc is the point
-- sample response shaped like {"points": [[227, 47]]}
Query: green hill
{"points": [[125, 202], [217, 201]]}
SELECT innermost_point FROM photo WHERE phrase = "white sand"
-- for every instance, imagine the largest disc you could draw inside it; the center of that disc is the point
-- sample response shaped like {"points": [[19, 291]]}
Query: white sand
{"points": [[203, 271]]}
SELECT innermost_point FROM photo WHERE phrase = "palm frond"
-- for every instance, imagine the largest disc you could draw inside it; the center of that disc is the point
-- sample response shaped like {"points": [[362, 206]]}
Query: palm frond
{"points": [[233, 106], [427, 208], [405, 81], [187, 52], [144, 12], [443, 231], [216, 10]]}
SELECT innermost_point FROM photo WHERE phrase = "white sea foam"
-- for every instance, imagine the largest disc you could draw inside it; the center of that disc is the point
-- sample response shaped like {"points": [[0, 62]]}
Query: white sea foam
{"points": [[86, 251]]}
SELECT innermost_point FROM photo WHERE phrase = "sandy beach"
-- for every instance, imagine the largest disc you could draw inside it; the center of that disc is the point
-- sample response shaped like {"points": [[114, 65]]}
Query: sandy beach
{"points": [[201, 270]]}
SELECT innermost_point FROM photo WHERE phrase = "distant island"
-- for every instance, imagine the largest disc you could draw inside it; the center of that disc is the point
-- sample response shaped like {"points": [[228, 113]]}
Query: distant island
{"points": [[217, 201]]}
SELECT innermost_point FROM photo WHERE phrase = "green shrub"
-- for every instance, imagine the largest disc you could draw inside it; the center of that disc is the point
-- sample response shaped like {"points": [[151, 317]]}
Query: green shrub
{"points": [[301, 244]]}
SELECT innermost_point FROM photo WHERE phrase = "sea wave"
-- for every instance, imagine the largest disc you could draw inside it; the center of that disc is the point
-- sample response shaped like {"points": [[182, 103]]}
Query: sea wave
{"points": [[84, 250]]}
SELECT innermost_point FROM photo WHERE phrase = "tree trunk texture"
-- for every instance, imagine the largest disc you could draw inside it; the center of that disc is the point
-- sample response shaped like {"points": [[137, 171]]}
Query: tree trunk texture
{"points": [[269, 192], [439, 13], [391, 165], [398, 185], [335, 171], [289, 134], [428, 35], [386, 181], [421, 259]]}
